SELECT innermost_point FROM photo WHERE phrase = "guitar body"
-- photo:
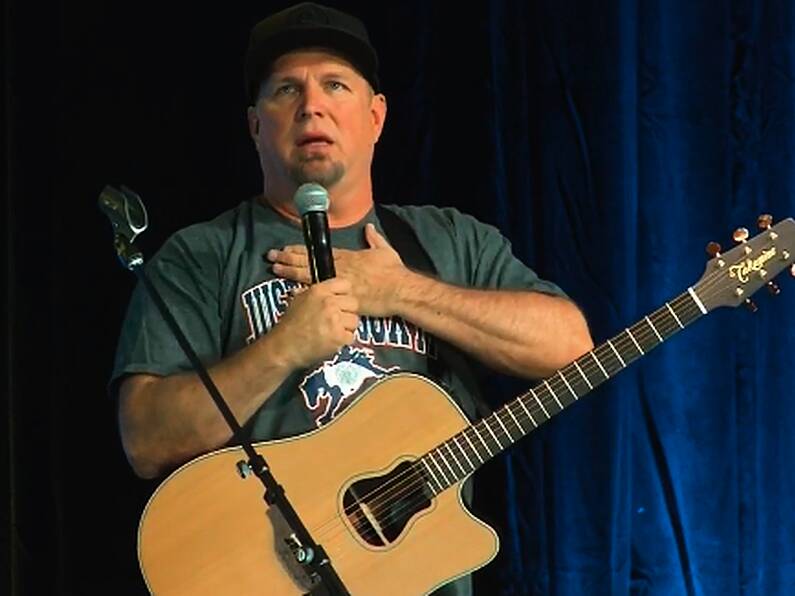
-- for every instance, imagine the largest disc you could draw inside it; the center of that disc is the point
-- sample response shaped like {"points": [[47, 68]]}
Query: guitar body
{"points": [[208, 531]]}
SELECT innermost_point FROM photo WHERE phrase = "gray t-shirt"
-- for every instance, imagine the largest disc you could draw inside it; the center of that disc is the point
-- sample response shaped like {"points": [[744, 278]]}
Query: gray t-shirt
{"points": [[221, 290]]}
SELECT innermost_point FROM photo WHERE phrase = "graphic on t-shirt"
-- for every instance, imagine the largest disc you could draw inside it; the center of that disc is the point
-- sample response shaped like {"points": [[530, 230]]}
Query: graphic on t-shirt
{"points": [[327, 388], [265, 304]]}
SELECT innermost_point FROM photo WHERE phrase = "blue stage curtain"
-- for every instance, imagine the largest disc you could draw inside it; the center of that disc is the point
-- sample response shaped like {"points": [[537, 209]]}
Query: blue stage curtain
{"points": [[611, 141]]}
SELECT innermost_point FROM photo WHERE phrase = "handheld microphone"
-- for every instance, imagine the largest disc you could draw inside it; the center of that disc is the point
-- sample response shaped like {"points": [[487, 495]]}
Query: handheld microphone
{"points": [[311, 199]]}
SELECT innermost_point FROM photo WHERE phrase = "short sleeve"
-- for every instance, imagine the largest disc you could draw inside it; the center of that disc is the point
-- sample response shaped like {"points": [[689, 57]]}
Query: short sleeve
{"points": [[471, 253], [186, 273], [494, 264]]}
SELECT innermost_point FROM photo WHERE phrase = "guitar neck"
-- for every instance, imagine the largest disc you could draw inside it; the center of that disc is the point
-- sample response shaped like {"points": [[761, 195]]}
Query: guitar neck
{"points": [[465, 452]]}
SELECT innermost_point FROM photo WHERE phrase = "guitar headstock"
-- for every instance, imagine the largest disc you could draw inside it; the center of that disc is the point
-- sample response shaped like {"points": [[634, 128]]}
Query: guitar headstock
{"points": [[731, 278]]}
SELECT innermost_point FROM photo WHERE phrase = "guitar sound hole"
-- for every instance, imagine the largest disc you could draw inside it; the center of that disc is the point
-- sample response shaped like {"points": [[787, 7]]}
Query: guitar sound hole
{"points": [[380, 507]]}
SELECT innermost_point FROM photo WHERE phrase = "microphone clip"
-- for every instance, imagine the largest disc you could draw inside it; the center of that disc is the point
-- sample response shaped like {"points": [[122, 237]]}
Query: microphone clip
{"points": [[128, 217]]}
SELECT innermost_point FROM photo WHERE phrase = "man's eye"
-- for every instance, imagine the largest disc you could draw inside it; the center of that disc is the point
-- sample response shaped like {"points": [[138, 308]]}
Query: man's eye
{"points": [[336, 85], [284, 90]]}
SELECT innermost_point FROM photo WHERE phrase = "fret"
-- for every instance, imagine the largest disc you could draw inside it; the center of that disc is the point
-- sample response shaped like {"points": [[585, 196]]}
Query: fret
{"points": [[438, 467], [432, 475], [529, 415], [576, 381], [620, 359], [497, 416], [629, 349], [543, 409], [475, 451], [664, 322], [637, 345], [488, 427], [653, 328], [697, 300], [688, 307], [554, 396], [477, 434], [610, 362], [567, 385], [599, 364], [582, 374], [446, 463], [645, 338], [515, 421], [455, 459], [673, 314], [461, 449]]}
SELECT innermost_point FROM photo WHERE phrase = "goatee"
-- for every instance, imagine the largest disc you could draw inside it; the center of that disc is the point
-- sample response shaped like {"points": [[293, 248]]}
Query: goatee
{"points": [[308, 170]]}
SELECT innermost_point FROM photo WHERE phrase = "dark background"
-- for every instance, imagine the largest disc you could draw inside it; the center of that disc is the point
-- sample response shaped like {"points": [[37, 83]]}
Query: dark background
{"points": [[609, 139]]}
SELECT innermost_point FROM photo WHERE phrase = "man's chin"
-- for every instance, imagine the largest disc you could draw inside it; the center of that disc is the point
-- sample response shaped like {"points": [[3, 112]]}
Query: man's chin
{"points": [[325, 173]]}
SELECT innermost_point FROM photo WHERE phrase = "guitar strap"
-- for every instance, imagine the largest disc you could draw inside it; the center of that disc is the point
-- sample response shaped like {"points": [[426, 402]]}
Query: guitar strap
{"points": [[449, 359]]}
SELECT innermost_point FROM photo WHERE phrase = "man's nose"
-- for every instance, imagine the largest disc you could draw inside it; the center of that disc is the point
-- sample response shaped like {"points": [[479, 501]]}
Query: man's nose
{"points": [[312, 102]]}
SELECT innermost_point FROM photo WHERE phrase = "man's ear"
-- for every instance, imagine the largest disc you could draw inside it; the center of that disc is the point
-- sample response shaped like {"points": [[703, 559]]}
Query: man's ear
{"points": [[378, 112], [253, 123]]}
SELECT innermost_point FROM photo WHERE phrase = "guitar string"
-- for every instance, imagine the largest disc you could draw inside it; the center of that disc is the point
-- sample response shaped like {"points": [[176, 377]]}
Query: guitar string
{"points": [[416, 495], [667, 332], [409, 493], [400, 484], [589, 367], [414, 498], [413, 486], [396, 489], [415, 490]]}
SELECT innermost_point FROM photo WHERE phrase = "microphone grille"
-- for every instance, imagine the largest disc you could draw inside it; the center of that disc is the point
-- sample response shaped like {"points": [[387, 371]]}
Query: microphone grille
{"points": [[311, 197]]}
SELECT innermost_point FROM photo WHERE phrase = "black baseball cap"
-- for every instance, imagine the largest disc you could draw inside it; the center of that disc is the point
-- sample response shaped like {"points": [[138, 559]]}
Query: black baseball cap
{"points": [[308, 25]]}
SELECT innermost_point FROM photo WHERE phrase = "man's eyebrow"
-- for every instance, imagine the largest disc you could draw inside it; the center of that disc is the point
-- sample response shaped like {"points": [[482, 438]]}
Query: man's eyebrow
{"points": [[326, 74], [336, 74], [276, 78]]}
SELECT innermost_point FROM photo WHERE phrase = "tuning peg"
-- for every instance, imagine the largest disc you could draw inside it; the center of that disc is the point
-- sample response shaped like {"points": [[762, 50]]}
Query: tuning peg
{"points": [[773, 288], [740, 235], [764, 221], [751, 305], [713, 249]]}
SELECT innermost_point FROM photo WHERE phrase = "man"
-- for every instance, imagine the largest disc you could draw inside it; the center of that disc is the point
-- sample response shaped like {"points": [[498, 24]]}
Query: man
{"points": [[237, 285]]}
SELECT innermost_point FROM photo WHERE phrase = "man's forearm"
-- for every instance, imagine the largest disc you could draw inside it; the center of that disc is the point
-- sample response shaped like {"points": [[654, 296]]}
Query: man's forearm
{"points": [[524, 333], [167, 420]]}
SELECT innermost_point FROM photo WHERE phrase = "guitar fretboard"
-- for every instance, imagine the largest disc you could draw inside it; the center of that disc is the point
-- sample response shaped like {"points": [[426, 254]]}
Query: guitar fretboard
{"points": [[465, 452]]}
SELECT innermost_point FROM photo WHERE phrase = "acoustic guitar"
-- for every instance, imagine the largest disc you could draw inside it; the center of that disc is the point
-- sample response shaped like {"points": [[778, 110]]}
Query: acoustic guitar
{"points": [[380, 486]]}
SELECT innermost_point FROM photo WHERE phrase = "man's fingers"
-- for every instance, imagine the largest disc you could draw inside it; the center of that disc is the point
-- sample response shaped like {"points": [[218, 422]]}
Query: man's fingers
{"points": [[298, 249], [374, 239], [348, 304], [299, 274], [349, 321], [288, 257]]}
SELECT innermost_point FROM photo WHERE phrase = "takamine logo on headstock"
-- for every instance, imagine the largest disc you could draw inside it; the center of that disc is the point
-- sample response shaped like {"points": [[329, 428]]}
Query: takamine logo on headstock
{"points": [[732, 277], [742, 271]]}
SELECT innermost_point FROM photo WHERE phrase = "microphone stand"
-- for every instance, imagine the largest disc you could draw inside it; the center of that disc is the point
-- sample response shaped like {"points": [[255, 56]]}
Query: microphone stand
{"points": [[128, 218]]}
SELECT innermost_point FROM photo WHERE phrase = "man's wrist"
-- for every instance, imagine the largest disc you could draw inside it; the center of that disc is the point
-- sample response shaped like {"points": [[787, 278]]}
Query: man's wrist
{"points": [[278, 351], [408, 291]]}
